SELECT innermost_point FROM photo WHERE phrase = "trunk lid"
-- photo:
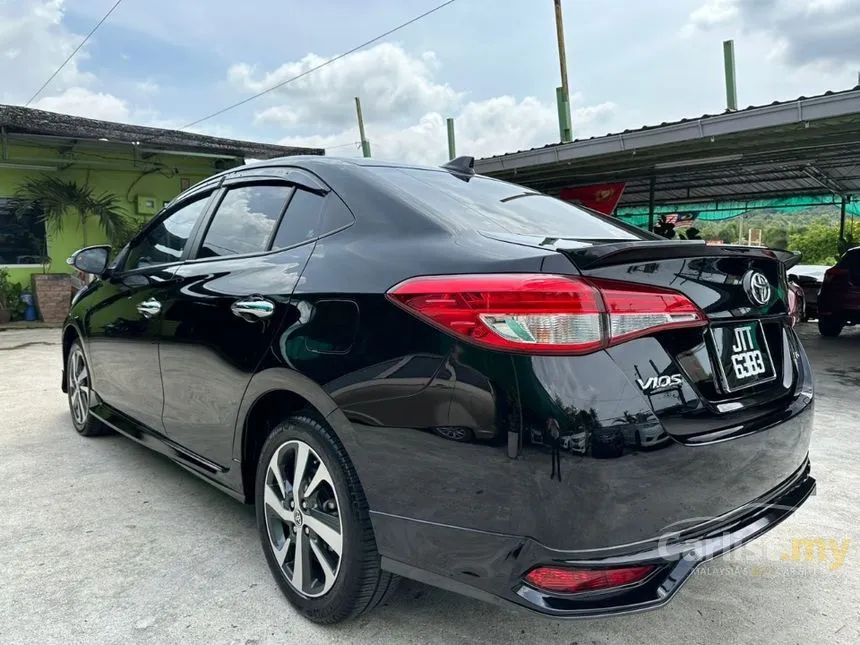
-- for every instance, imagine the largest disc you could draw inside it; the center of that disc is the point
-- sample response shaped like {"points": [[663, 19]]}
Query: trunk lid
{"points": [[742, 363]]}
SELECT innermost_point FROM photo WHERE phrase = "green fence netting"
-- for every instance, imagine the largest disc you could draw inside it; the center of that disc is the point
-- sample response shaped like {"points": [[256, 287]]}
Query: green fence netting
{"points": [[713, 211]]}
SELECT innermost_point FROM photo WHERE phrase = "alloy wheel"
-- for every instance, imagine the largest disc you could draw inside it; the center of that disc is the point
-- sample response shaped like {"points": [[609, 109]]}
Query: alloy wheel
{"points": [[303, 518], [78, 386]]}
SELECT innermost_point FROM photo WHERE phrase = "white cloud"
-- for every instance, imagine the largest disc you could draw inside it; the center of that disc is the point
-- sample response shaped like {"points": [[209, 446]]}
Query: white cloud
{"points": [[79, 101], [147, 87], [34, 43], [392, 84], [812, 33], [483, 128]]}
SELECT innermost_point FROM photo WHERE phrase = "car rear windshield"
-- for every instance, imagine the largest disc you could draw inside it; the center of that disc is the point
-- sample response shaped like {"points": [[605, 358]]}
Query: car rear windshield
{"points": [[493, 206]]}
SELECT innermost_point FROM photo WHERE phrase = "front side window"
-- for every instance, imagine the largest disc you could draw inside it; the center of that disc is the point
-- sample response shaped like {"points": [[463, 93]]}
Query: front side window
{"points": [[167, 240], [245, 220]]}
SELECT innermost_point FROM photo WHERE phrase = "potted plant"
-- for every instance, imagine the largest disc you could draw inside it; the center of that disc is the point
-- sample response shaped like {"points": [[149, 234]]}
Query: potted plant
{"points": [[11, 305], [62, 200]]}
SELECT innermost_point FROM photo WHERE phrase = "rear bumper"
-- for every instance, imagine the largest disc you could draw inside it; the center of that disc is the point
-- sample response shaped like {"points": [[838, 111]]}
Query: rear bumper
{"points": [[490, 567]]}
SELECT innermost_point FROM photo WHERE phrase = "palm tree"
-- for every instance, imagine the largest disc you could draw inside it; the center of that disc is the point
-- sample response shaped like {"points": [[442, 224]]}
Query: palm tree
{"points": [[60, 197]]}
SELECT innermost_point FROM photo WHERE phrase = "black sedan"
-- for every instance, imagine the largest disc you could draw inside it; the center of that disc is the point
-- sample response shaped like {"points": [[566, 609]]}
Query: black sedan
{"points": [[423, 372]]}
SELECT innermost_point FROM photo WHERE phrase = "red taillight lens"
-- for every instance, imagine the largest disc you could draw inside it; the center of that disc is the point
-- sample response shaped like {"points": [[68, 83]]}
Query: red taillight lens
{"points": [[634, 309], [543, 313], [561, 580], [835, 275]]}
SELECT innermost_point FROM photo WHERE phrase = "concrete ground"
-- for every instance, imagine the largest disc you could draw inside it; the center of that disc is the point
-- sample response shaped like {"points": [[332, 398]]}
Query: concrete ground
{"points": [[102, 541]]}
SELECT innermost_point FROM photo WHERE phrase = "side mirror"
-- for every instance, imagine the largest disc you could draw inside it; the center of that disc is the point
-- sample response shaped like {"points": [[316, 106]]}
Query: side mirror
{"points": [[93, 259]]}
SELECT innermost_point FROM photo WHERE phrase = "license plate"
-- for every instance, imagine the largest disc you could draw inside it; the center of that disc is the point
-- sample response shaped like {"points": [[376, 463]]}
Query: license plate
{"points": [[743, 357]]}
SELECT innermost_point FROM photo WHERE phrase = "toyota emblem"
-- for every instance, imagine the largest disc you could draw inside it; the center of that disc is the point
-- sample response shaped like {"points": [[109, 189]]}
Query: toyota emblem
{"points": [[757, 287]]}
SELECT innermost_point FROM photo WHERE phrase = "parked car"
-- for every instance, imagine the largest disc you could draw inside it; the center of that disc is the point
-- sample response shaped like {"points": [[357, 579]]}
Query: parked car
{"points": [[303, 333], [839, 296], [809, 277]]}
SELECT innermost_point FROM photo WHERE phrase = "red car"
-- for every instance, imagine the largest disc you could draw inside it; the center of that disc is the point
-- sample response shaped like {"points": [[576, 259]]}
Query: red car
{"points": [[839, 298]]}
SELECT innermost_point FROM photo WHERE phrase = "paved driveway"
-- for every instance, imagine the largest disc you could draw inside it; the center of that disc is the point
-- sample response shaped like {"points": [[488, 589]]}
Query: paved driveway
{"points": [[102, 541]]}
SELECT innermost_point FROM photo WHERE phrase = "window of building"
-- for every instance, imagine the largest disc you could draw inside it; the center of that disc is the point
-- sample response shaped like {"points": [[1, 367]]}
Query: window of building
{"points": [[245, 220], [22, 233]]}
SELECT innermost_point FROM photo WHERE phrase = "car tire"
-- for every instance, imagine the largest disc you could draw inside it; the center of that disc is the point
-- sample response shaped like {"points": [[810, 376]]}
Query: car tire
{"points": [[78, 388], [331, 517], [829, 326]]}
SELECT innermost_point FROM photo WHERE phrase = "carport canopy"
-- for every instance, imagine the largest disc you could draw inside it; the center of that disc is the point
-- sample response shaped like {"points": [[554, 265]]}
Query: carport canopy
{"points": [[807, 147]]}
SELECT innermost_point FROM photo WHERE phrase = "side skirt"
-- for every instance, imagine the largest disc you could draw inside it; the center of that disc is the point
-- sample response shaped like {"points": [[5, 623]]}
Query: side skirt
{"points": [[198, 465]]}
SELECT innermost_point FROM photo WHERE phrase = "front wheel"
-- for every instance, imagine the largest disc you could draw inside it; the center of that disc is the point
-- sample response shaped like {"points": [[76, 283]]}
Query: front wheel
{"points": [[829, 326], [79, 389], [314, 524]]}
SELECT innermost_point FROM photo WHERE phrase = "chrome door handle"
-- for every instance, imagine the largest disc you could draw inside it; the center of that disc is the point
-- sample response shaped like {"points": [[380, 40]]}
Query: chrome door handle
{"points": [[149, 308], [253, 308]]}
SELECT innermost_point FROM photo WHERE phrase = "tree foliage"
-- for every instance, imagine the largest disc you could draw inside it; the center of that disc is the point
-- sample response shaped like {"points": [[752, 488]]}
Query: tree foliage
{"points": [[60, 197]]}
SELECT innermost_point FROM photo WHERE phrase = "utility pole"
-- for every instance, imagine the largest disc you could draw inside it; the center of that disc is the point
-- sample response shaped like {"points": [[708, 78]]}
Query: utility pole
{"points": [[562, 94], [365, 144], [731, 83], [452, 146]]}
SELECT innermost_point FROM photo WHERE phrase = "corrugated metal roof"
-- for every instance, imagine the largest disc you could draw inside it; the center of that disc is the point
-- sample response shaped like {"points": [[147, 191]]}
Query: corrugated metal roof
{"points": [[15, 119], [666, 124], [805, 146]]}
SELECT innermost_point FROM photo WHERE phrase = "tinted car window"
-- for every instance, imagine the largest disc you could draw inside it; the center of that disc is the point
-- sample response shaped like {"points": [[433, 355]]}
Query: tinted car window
{"points": [[301, 221], [166, 241], [244, 220], [484, 204]]}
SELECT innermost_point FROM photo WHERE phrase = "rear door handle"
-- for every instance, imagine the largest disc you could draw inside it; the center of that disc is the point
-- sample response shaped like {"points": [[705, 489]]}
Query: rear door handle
{"points": [[253, 308], [149, 308]]}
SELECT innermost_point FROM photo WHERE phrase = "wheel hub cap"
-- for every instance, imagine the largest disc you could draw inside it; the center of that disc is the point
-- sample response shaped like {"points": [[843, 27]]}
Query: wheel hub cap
{"points": [[307, 544]]}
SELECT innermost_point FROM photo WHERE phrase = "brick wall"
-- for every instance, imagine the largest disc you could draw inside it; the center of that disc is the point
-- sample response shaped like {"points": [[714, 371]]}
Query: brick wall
{"points": [[53, 292]]}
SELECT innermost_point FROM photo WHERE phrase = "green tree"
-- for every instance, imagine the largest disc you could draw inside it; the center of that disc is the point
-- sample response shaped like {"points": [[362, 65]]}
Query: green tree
{"points": [[60, 197], [775, 237], [818, 244]]}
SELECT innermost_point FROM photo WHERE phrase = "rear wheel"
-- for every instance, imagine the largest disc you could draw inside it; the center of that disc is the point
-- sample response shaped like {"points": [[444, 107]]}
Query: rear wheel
{"points": [[314, 524], [79, 389], [830, 326]]}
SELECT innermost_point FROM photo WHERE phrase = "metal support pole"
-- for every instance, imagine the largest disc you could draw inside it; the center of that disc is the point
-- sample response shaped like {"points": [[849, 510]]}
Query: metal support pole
{"points": [[731, 84], [563, 93], [452, 146], [842, 225], [651, 189], [365, 144]]}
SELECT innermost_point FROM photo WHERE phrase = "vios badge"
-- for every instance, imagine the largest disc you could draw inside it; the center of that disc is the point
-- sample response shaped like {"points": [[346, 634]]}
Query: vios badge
{"points": [[757, 287], [656, 383]]}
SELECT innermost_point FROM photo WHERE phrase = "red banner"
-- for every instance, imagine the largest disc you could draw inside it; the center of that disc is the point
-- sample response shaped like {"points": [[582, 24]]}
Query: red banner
{"points": [[602, 198]]}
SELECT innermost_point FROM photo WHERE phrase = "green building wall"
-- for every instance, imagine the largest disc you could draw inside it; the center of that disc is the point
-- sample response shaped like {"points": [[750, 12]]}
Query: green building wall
{"points": [[160, 177]]}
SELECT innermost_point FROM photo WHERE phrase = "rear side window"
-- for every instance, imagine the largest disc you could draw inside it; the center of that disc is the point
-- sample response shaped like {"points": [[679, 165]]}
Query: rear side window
{"points": [[484, 204], [301, 221], [245, 220]]}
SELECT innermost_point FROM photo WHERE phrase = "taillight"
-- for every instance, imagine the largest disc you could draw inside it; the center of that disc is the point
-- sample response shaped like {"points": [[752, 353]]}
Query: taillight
{"points": [[563, 580], [539, 313], [834, 275]]}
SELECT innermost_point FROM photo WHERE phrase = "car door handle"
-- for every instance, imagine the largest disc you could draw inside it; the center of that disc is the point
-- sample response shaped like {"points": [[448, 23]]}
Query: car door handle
{"points": [[149, 308], [253, 308]]}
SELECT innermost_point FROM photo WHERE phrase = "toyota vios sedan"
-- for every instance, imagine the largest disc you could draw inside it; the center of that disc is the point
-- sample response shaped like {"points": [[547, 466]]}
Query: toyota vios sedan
{"points": [[423, 372]]}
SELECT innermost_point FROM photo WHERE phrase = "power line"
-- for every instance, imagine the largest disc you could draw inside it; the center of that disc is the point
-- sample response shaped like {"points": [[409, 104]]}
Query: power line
{"points": [[77, 49], [320, 66]]}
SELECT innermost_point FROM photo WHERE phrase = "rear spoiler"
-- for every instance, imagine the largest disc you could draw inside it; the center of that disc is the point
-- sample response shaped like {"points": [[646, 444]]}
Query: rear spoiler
{"points": [[644, 250]]}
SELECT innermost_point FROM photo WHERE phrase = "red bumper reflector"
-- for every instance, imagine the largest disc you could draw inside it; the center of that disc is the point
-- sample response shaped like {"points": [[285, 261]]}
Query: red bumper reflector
{"points": [[561, 580]]}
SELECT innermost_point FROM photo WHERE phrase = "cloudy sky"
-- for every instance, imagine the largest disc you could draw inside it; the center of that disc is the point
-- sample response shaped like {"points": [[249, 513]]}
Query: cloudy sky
{"points": [[491, 64]]}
